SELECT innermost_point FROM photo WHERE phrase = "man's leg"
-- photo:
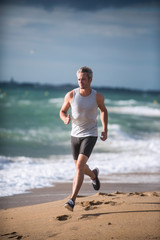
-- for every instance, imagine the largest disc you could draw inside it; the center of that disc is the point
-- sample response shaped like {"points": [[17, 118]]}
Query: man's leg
{"points": [[85, 146], [81, 169], [87, 171], [79, 176]]}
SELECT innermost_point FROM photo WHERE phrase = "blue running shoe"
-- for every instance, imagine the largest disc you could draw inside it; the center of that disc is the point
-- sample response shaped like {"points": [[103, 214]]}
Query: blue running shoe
{"points": [[69, 205], [96, 182]]}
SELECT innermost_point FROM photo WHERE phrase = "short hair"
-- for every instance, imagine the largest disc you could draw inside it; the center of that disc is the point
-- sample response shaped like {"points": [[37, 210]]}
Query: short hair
{"points": [[85, 70]]}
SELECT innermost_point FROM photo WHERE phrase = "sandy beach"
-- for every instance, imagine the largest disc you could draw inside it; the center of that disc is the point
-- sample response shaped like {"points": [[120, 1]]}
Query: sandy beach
{"points": [[100, 216]]}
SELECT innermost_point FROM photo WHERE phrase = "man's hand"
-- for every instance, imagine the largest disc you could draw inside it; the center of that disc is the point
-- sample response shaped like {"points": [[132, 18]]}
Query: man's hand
{"points": [[67, 119], [103, 136]]}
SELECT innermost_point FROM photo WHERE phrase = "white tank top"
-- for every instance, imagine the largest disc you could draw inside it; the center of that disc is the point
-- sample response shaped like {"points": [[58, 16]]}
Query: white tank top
{"points": [[84, 114]]}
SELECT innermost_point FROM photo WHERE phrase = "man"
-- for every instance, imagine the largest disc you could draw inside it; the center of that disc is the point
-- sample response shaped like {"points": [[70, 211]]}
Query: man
{"points": [[84, 103]]}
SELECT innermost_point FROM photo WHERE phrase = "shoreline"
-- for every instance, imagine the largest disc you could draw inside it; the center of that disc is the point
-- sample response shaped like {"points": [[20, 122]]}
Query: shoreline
{"points": [[61, 191]]}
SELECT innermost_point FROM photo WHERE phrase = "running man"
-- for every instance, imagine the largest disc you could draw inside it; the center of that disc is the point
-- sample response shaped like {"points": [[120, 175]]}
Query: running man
{"points": [[84, 103]]}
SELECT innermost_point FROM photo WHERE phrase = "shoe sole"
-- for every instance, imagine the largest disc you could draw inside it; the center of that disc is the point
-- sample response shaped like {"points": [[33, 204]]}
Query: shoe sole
{"points": [[97, 171], [68, 207], [98, 179]]}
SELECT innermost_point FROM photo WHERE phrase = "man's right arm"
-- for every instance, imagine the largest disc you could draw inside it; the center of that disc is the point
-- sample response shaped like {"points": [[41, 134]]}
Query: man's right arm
{"points": [[66, 105]]}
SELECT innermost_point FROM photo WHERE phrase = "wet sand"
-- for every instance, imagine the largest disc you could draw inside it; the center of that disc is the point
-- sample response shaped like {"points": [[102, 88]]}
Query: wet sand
{"points": [[63, 190]]}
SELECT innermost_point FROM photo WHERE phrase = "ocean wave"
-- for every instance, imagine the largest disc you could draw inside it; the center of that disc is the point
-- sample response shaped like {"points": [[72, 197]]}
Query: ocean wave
{"points": [[118, 142], [19, 174], [112, 163], [129, 102], [137, 110], [25, 102], [13, 102], [126, 102], [56, 100], [39, 135]]}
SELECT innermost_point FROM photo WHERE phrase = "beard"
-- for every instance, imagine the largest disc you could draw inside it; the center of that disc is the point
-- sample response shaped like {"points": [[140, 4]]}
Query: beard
{"points": [[82, 87]]}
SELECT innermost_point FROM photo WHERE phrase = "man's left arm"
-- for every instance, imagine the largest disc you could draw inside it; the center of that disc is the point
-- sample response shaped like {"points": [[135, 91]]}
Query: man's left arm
{"points": [[103, 115]]}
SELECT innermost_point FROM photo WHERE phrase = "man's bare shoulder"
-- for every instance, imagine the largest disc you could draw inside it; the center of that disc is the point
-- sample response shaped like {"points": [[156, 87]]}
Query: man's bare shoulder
{"points": [[69, 96], [100, 98]]}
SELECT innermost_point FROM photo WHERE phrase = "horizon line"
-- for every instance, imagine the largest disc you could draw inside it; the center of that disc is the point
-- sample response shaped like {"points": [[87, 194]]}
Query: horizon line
{"points": [[39, 85]]}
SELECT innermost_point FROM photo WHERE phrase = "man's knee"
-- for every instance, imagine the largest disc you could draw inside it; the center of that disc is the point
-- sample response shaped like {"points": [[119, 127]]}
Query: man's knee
{"points": [[81, 163], [80, 167]]}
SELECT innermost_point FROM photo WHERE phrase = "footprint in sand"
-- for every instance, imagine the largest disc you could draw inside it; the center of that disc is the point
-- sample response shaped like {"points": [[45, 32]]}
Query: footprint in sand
{"points": [[90, 205], [89, 208], [105, 194], [122, 193], [154, 194], [63, 217], [53, 235], [137, 194], [12, 235], [112, 203]]}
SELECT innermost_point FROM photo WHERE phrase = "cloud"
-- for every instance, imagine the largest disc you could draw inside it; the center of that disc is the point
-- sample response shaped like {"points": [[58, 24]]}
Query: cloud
{"points": [[65, 26], [81, 5], [64, 30]]}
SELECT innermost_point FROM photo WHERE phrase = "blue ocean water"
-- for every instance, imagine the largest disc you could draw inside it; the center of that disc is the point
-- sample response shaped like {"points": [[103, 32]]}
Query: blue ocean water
{"points": [[35, 144]]}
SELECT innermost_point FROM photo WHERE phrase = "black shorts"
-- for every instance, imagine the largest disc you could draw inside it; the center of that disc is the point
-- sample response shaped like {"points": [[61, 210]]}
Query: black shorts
{"points": [[82, 145]]}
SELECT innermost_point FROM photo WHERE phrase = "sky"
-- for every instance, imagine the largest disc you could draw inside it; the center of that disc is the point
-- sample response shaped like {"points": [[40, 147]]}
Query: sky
{"points": [[47, 41]]}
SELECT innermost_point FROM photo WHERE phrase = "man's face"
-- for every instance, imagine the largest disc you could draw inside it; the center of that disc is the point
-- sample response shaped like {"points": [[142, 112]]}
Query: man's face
{"points": [[83, 80]]}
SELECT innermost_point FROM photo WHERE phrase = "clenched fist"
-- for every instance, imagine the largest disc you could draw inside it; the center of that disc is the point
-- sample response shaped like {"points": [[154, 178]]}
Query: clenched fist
{"points": [[67, 119], [103, 136]]}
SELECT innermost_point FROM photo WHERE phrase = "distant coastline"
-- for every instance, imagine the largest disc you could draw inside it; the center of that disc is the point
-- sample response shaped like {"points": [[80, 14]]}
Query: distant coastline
{"points": [[68, 87]]}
